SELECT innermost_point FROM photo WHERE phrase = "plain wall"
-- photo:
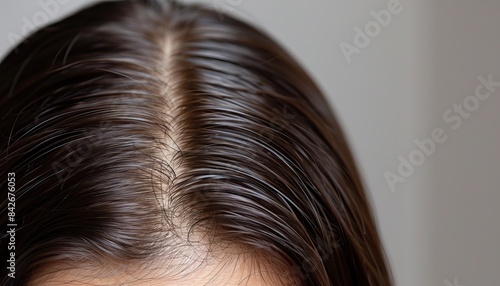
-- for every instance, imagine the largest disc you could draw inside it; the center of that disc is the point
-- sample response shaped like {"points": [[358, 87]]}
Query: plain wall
{"points": [[439, 225]]}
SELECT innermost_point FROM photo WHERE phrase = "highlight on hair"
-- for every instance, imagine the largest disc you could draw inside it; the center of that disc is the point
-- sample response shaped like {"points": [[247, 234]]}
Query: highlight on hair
{"points": [[146, 131]]}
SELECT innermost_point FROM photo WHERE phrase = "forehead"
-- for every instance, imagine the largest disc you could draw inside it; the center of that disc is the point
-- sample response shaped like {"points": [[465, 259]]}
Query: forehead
{"points": [[231, 270]]}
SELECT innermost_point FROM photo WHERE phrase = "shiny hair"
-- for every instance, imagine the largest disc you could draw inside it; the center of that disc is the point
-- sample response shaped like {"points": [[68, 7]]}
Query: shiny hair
{"points": [[133, 126]]}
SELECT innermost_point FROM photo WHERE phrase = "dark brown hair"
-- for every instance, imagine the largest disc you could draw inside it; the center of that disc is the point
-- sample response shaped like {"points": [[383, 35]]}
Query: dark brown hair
{"points": [[133, 125]]}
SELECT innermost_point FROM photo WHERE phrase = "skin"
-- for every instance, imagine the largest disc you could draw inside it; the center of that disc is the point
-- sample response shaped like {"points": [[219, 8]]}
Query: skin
{"points": [[234, 270]]}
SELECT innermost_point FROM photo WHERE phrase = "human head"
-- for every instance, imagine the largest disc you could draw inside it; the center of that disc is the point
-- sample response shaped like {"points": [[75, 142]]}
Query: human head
{"points": [[153, 139]]}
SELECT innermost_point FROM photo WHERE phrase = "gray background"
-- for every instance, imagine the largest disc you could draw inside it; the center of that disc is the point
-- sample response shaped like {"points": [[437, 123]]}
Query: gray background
{"points": [[440, 226]]}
